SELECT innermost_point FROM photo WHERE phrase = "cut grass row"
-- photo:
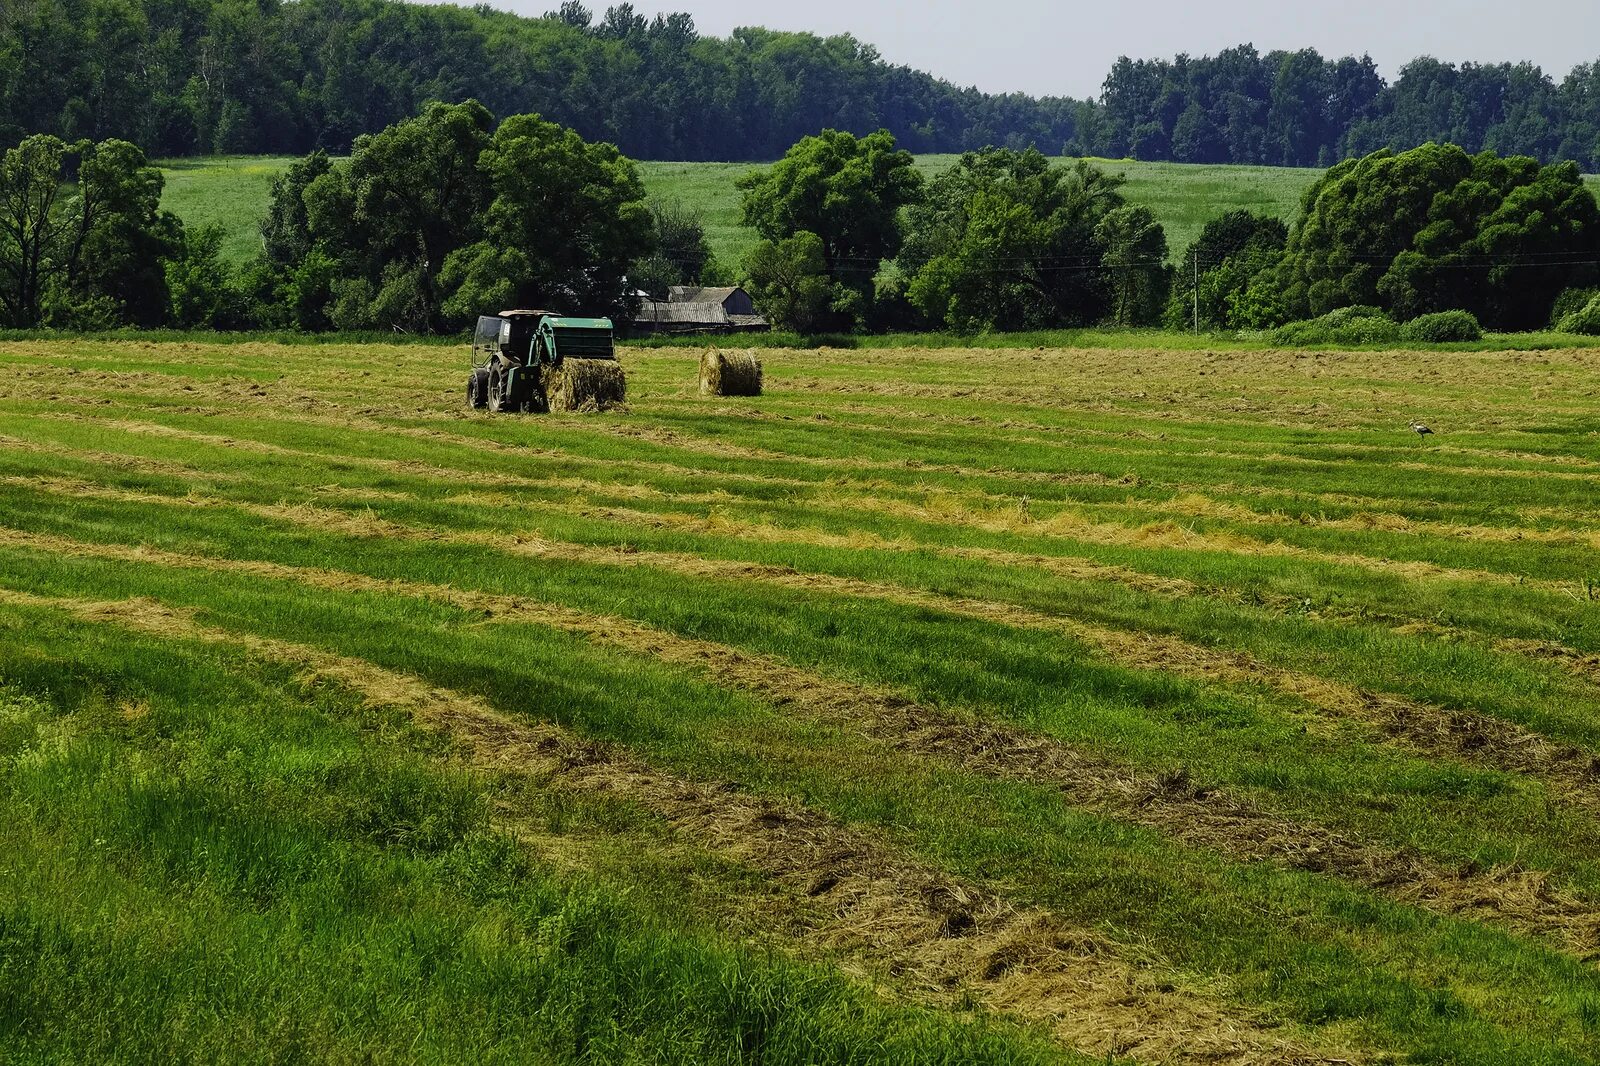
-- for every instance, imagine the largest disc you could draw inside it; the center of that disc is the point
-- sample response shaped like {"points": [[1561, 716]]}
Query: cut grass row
{"points": [[759, 535], [1170, 741], [1271, 932], [334, 889]]}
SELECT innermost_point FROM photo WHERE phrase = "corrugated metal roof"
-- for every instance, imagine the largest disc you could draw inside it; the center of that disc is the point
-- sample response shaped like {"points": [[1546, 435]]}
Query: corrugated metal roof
{"points": [[662, 313], [694, 294]]}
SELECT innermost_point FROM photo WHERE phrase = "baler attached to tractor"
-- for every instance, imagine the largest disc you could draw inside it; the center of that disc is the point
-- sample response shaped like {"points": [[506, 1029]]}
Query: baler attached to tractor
{"points": [[538, 360]]}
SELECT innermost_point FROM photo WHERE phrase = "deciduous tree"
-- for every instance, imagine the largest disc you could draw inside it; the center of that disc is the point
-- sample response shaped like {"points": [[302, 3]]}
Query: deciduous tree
{"points": [[1005, 240], [844, 190]]}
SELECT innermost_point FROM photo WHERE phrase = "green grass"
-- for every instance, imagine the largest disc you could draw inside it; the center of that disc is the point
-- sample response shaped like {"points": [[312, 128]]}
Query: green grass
{"points": [[228, 191], [206, 861], [233, 192], [195, 831]]}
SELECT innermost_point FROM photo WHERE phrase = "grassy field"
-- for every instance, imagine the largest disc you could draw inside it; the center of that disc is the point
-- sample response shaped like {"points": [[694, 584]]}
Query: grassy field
{"points": [[227, 191], [233, 192], [1043, 705]]}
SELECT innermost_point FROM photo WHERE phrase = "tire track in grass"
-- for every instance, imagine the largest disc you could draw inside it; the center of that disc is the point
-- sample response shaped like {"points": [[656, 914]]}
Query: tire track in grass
{"points": [[938, 934], [1520, 900]]}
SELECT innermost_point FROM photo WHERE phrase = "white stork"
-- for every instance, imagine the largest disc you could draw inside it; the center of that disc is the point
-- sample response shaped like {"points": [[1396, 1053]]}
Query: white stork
{"points": [[1420, 430]]}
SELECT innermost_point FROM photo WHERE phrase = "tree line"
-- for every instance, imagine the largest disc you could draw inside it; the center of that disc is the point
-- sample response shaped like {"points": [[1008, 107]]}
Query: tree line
{"points": [[428, 223], [853, 239], [197, 77], [1300, 109], [1511, 242], [444, 216]]}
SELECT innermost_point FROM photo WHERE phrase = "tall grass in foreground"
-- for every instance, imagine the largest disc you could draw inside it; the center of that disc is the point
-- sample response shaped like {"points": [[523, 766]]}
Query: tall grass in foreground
{"points": [[205, 863]]}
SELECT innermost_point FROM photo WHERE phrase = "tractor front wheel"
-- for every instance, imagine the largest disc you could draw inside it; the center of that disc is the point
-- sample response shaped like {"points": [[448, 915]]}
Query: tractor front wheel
{"points": [[478, 390]]}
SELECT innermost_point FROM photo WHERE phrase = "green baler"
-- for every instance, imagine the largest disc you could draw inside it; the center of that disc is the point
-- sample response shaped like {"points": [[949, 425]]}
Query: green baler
{"points": [[525, 360]]}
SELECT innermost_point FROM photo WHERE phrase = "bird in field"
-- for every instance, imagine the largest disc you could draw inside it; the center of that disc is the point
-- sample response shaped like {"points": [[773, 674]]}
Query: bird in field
{"points": [[1420, 430]]}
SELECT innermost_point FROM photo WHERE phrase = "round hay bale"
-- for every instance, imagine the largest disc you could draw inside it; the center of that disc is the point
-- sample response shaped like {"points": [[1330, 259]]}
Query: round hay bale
{"points": [[585, 385], [730, 373]]}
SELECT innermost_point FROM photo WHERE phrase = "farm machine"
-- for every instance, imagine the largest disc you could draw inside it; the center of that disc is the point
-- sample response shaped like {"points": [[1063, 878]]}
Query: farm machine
{"points": [[536, 361]]}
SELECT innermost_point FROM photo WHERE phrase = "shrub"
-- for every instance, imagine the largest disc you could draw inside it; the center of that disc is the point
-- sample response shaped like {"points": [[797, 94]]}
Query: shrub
{"points": [[1443, 327], [1570, 302], [1344, 325], [1585, 320], [1343, 316]]}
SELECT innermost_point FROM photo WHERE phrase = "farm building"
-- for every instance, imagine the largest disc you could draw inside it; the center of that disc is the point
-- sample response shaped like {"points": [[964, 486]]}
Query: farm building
{"points": [[693, 309]]}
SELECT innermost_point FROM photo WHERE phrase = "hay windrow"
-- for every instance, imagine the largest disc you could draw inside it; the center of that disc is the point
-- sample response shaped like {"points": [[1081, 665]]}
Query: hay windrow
{"points": [[728, 373], [586, 385], [1581, 664], [1522, 900], [1429, 730], [936, 934]]}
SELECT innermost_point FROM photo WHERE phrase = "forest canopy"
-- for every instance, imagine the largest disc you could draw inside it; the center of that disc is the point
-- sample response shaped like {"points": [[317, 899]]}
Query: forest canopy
{"points": [[197, 77]]}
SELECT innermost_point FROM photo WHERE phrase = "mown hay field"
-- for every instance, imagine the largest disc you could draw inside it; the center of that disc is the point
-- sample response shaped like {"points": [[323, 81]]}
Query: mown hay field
{"points": [[1013, 706]]}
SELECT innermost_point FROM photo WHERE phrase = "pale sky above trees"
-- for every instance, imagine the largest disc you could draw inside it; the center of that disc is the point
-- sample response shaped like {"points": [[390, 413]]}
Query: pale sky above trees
{"points": [[1048, 47]]}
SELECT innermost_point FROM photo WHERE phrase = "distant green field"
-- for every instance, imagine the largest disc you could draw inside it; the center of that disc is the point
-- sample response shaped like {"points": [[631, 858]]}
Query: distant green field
{"points": [[232, 191]]}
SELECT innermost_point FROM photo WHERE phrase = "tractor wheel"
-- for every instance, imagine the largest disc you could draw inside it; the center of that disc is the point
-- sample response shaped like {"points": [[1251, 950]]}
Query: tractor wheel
{"points": [[478, 390], [497, 391]]}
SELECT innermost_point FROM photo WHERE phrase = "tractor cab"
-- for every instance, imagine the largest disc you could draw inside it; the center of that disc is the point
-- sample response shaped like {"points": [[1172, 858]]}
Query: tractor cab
{"points": [[507, 337]]}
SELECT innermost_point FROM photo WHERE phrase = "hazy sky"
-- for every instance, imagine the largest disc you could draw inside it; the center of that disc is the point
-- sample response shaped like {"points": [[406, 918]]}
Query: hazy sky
{"points": [[1045, 48]]}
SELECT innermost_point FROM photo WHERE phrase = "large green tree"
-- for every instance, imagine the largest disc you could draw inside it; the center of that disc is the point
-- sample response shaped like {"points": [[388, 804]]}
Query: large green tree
{"points": [[31, 234], [789, 282], [82, 238], [1135, 261], [1433, 229], [286, 230], [405, 201], [846, 190], [1231, 250], [444, 217], [565, 221], [1006, 240]]}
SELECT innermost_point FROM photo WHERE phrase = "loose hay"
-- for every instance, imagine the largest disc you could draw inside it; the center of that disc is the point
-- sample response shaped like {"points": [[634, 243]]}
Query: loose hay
{"points": [[730, 374], [586, 385]]}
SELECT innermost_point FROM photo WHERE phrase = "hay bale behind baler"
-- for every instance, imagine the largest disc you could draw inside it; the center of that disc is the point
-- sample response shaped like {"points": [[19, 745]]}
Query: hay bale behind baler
{"points": [[730, 373], [585, 385]]}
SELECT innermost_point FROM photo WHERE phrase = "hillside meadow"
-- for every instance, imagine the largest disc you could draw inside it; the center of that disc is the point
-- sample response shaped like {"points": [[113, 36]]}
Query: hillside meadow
{"points": [[938, 705], [233, 192]]}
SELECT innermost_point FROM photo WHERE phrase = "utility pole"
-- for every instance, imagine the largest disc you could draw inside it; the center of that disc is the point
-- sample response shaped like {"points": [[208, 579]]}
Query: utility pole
{"points": [[1197, 294]]}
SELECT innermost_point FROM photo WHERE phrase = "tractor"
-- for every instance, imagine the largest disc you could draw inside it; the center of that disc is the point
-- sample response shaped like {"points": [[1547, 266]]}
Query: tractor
{"points": [[525, 360]]}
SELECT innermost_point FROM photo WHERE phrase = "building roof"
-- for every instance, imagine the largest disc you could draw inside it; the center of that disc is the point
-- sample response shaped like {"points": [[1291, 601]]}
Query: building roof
{"points": [[662, 313], [694, 294]]}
